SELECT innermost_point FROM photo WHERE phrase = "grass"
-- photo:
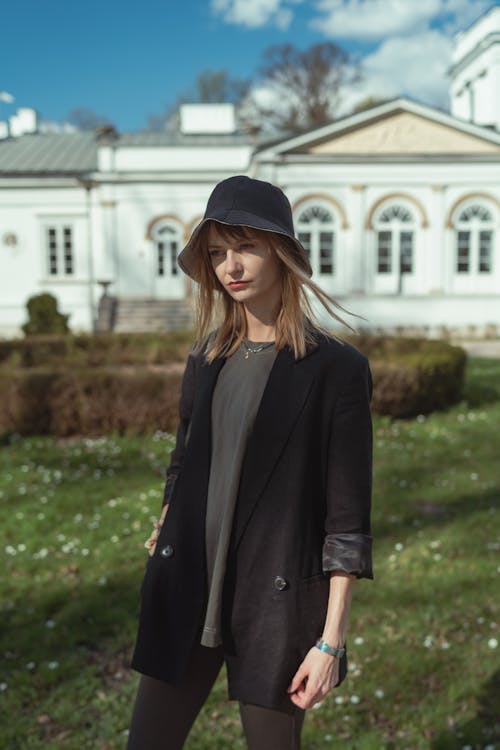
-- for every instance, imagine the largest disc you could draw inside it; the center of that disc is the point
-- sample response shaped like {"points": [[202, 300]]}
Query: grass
{"points": [[423, 636]]}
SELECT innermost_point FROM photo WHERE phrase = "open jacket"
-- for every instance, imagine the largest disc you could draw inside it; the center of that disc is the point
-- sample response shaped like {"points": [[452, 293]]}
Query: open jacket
{"points": [[302, 510]]}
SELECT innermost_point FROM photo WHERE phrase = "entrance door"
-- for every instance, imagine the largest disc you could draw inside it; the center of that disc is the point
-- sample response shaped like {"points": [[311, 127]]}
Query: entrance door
{"points": [[394, 251], [167, 238]]}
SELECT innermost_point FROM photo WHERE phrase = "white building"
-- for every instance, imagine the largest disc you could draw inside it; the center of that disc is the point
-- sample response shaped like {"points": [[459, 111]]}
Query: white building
{"points": [[399, 206]]}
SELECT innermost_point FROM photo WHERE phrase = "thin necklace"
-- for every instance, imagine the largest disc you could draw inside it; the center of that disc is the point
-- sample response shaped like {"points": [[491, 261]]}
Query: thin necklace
{"points": [[251, 350]]}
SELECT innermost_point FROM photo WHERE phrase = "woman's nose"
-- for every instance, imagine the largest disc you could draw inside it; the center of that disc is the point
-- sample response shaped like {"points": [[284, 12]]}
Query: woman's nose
{"points": [[233, 262]]}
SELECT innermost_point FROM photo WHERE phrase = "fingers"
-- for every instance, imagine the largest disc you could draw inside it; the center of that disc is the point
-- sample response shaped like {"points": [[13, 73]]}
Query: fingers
{"points": [[306, 696], [150, 543], [310, 684], [299, 677]]}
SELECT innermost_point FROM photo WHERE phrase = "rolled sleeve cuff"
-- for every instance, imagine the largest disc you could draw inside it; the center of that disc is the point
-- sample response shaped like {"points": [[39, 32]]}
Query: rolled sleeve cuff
{"points": [[351, 553]]}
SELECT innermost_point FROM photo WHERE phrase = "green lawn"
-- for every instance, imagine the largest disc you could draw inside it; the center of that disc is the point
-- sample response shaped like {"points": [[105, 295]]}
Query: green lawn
{"points": [[423, 635]]}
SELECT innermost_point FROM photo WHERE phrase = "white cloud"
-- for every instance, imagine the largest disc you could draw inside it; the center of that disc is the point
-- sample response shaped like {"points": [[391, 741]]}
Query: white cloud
{"points": [[379, 19], [415, 43], [255, 13], [373, 19], [414, 66], [458, 14]]}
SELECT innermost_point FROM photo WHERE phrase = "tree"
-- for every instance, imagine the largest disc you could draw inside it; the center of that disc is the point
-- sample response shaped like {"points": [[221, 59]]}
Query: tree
{"points": [[366, 103], [215, 86], [85, 118], [299, 89], [210, 87]]}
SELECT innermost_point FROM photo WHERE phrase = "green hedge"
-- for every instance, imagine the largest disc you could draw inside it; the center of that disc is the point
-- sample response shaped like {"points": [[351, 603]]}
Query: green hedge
{"points": [[84, 388], [87, 350], [413, 376], [88, 402]]}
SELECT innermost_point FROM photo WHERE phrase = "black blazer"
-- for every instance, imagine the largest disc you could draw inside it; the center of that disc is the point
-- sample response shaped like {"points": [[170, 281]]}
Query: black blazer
{"points": [[303, 509]]}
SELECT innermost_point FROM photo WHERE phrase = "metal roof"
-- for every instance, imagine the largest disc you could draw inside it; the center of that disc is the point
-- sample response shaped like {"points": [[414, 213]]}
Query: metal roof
{"points": [[76, 153], [49, 153], [147, 138]]}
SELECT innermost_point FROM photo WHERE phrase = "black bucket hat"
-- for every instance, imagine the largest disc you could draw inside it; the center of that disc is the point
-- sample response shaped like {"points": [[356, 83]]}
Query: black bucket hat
{"points": [[242, 200]]}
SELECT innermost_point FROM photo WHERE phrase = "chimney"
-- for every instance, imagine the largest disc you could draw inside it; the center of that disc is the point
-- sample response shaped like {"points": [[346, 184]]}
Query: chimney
{"points": [[24, 121]]}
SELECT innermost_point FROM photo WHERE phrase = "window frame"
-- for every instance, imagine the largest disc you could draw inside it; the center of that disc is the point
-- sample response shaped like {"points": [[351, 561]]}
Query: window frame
{"points": [[58, 263], [311, 234], [474, 226]]}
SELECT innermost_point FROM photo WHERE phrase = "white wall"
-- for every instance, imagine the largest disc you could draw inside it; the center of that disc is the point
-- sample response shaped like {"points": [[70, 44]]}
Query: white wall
{"points": [[24, 213]]}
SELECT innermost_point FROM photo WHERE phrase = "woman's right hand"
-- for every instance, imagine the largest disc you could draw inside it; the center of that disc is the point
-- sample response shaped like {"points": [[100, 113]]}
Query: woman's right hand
{"points": [[150, 543]]}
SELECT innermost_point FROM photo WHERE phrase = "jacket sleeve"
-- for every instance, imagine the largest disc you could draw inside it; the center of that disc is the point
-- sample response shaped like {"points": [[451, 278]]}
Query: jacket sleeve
{"points": [[348, 540], [182, 436]]}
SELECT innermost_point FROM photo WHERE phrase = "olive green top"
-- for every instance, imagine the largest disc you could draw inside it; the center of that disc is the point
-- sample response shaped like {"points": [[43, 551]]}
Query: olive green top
{"points": [[236, 398]]}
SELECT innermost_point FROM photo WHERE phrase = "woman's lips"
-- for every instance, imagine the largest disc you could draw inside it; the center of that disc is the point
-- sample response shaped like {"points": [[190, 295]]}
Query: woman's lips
{"points": [[237, 284]]}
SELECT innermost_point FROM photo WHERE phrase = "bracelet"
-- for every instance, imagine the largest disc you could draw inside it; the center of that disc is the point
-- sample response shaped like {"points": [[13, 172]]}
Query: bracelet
{"points": [[332, 650]]}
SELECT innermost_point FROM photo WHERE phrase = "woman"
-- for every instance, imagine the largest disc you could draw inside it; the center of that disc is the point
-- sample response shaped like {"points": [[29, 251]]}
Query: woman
{"points": [[265, 523]]}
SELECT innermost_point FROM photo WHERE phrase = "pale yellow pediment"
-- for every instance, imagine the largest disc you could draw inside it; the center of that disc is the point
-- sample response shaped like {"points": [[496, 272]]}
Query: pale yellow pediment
{"points": [[404, 133]]}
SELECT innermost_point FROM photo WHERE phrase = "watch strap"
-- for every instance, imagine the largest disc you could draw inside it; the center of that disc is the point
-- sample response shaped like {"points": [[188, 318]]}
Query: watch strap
{"points": [[332, 650]]}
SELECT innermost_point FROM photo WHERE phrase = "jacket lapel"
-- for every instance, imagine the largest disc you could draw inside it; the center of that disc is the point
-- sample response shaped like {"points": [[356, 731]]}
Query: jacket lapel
{"points": [[284, 396]]}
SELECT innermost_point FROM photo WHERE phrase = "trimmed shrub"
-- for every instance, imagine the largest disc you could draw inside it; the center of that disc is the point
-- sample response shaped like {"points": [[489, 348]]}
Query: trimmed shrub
{"points": [[86, 389], [44, 316], [413, 376], [88, 350], [89, 402]]}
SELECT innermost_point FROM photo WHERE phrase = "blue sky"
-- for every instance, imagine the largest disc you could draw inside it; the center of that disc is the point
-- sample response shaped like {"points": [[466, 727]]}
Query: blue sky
{"points": [[127, 60]]}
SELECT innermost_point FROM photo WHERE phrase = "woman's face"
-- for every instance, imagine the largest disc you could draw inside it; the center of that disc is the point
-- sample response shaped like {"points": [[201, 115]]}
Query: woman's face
{"points": [[247, 268]]}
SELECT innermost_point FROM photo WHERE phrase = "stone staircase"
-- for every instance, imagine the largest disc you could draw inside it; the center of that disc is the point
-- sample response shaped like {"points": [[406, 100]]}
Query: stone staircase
{"points": [[143, 314]]}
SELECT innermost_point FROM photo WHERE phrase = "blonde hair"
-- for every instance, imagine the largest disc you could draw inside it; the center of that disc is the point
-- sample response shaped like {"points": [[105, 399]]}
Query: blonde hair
{"points": [[296, 321]]}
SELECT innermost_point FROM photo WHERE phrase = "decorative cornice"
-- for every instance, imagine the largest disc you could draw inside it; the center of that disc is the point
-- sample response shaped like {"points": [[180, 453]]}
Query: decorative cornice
{"points": [[163, 217], [468, 197], [396, 196], [325, 199]]}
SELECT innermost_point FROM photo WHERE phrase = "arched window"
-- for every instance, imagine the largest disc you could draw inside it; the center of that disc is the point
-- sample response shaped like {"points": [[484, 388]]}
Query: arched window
{"points": [[474, 240], [167, 238], [395, 237], [316, 231]]}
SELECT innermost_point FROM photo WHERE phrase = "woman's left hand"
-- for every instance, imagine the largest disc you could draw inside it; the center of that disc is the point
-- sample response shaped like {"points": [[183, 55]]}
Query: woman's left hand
{"points": [[315, 677]]}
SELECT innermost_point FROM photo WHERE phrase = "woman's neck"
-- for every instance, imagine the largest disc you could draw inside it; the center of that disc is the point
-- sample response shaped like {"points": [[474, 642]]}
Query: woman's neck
{"points": [[260, 327], [261, 333]]}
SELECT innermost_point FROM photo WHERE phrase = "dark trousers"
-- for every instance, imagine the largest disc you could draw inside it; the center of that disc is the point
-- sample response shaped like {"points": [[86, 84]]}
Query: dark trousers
{"points": [[164, 714]]}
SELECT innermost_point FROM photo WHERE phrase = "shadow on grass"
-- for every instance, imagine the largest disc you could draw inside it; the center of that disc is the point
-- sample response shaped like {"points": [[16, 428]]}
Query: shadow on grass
{"points": [[482, 381], [482, 730], [434, 515]]}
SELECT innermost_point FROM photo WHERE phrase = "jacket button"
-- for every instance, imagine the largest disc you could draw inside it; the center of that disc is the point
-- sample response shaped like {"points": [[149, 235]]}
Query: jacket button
{"points": [[167, 551], [280, 583]]}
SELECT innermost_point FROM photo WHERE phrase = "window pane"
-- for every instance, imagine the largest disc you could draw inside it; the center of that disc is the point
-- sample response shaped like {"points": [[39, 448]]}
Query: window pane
{"points": [[406, 249], [384, 252], [51, 238], [475, 212], [326, 250], [173, 259], [395, 212], [68, 250], [463, 252], [305, 240], [318, 213], [485, 251], [160, 254]]}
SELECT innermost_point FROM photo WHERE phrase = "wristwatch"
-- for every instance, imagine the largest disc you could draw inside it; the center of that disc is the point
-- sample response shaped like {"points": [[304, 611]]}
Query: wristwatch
{"points": [[332, 650]]}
